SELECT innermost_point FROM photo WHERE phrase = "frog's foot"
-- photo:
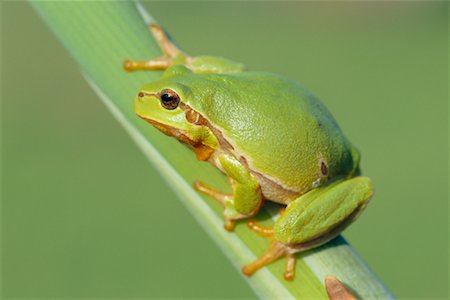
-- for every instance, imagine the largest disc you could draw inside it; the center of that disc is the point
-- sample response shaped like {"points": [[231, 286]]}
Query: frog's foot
{"points": [[230, 214], [276, 250], [203, 188], [170, 53]]}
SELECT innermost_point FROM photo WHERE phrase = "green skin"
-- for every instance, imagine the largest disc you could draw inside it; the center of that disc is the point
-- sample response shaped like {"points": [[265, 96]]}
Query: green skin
{"points": [[272, 138]]}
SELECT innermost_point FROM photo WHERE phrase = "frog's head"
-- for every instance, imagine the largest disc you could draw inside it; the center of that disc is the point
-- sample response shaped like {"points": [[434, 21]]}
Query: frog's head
{"points": [[163, 103]]}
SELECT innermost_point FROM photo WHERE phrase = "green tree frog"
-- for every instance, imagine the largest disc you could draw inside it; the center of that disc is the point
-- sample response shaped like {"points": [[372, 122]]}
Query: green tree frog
{"points": [[273, 139]]}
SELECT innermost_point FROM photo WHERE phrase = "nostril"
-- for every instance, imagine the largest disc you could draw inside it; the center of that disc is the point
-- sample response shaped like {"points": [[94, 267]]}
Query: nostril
{"points": [[141, 94]]}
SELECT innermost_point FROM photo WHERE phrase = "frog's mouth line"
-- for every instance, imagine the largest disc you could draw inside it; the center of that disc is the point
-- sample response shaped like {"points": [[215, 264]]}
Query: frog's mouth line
{"points": [[202, 151], [171, 131]]}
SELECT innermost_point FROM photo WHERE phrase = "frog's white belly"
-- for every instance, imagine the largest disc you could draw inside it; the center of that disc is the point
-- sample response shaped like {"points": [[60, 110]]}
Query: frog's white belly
{"points": [[273, 191], [270, 189]]}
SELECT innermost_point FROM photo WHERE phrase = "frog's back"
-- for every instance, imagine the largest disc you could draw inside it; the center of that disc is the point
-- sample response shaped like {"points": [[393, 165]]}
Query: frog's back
{"points": [[282, 130]]}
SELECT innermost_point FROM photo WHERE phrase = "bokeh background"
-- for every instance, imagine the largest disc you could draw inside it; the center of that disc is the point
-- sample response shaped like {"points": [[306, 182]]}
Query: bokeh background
{"points": [[76, 221]]}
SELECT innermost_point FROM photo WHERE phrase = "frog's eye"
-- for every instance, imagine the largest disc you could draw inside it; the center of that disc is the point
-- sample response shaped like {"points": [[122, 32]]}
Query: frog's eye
{"points": [[169, 99]]}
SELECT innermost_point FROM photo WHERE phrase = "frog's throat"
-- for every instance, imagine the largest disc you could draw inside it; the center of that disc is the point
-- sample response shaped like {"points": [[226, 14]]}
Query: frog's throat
{"points": [[202, 151]]}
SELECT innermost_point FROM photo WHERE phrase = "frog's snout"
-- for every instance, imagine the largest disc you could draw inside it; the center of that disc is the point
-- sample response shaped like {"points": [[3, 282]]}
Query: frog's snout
{"points": [[142, 95], [143, 102], [140, 103]]}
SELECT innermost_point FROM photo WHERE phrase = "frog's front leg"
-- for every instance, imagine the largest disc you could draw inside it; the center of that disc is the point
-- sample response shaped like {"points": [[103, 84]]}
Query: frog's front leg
{"points": [[172, 55], [247, 196], [312, 220]]}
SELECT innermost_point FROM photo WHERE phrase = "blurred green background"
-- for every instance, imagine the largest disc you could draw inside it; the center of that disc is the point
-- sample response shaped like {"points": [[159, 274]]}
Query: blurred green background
{"points": [[76, 221]]}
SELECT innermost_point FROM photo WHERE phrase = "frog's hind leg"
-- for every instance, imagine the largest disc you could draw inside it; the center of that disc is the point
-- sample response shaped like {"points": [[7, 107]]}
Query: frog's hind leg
{"points": [[170, 53], [312, 220], [276, 250]]}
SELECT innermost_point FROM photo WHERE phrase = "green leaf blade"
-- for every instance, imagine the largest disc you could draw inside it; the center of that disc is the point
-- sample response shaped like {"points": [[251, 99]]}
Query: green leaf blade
{"points": [[100, 35]]}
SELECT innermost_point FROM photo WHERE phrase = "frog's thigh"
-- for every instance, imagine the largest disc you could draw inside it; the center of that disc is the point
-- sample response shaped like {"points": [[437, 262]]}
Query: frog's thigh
{"points": [[246, 198], [323, 213]]}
